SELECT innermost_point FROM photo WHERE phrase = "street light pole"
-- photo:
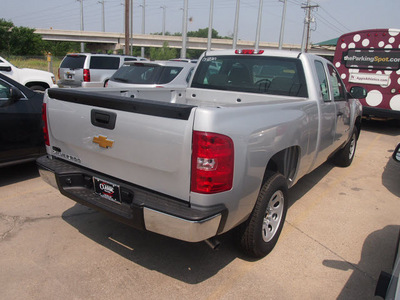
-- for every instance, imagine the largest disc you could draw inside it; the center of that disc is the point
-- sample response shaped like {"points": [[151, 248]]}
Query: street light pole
{"points": [[282, 24], [210, 25], [82, 27], [184, 28], [103, 23], [236, 25], [259, 19], [163, 20], [131, 37], [126, 27], [143, 22]]}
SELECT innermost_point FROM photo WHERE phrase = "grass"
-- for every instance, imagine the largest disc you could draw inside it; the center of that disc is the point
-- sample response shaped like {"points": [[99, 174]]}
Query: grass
{"points": [[39, 63]]}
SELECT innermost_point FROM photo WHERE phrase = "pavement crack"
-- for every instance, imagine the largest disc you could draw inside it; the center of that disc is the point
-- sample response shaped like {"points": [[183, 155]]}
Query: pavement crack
{"points": [[9, 224], [12, 224], [352, 265]]}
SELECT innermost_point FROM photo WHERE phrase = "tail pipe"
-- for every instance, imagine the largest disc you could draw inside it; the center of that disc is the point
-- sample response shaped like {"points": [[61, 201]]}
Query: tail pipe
{"points": [[213, 243]]}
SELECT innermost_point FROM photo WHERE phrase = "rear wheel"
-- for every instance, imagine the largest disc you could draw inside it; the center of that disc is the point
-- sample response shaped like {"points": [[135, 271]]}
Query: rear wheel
{"points": [[259, 234], [344, 157]]}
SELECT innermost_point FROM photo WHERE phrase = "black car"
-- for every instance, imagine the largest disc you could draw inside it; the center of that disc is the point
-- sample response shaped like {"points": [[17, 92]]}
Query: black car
{"points": [[21, 134]]}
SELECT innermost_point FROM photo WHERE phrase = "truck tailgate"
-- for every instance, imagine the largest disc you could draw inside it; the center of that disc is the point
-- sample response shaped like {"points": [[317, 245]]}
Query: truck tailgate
{"points": [[147, 143]]}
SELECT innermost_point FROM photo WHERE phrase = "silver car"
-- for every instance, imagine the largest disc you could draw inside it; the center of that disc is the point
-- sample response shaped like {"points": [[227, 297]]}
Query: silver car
{"points": [[168, 74], [90, 70]]}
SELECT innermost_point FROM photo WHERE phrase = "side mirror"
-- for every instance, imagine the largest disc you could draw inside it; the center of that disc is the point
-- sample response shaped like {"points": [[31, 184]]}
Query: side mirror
{"points": [[396, 153], [358, 92], [15, 94]]}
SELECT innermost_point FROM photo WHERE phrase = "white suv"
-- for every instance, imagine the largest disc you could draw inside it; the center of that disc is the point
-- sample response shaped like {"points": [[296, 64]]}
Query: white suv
{"points": [[37, 80], [90, 70]]}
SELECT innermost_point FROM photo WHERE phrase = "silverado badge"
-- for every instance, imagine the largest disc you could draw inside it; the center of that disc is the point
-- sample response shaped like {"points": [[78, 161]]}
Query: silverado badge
{"points": [[103, 142]]}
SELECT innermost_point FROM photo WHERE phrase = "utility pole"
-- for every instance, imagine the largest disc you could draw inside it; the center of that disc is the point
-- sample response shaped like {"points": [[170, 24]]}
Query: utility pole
{"points": [[131, 38], [126, 27], [307, 21], [143, 22], [103, 22], [184, 28], [259, 21], [82, 27], [282, 24], [236, 25], [163, 19], [210, 25]]}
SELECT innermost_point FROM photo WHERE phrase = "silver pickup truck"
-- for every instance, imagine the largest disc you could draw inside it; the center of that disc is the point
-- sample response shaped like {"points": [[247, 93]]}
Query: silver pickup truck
{"points": [[193, 164]]}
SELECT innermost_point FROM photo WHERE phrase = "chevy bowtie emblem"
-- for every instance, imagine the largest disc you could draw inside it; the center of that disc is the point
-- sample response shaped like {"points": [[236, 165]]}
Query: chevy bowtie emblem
{"points": [[103, 141]]}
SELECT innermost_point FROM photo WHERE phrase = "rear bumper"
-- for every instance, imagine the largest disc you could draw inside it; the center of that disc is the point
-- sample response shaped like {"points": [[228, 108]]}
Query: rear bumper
{"points": [[380, 113], [140, 208]]}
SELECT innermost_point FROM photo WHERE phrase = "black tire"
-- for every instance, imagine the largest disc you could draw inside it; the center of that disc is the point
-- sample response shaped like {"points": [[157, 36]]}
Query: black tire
{"points": [[344, 157], [259, 234]]}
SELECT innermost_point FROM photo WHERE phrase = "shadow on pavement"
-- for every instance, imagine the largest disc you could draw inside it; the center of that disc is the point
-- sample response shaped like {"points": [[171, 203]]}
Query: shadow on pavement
{"points": [[306, 183], [377, 255], [188, 262], [391, 176], [17, 173], [387, 127]]}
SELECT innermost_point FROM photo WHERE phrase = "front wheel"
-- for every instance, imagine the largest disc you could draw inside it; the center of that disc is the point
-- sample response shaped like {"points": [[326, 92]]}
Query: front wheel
{"points": [[259, 234], [344, 157]]}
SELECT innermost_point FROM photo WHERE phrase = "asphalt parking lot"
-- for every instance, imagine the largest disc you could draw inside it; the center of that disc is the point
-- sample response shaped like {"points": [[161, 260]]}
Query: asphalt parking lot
{"points": [[340, 232]]}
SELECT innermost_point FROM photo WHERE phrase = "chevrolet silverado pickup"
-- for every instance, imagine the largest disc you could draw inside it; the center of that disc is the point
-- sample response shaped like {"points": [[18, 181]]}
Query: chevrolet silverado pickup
{"points": [[194, 163]]}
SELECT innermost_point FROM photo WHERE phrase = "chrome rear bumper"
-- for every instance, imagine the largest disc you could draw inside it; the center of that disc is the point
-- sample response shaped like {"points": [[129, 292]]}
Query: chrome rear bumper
{"points": [[144, 210]]}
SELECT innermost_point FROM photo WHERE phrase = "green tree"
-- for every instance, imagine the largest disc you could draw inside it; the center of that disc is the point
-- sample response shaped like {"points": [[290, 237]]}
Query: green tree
{"points": [[19, 40], [163, 53], [57, 48], [5, 35], [24, 41], [203, 33]]}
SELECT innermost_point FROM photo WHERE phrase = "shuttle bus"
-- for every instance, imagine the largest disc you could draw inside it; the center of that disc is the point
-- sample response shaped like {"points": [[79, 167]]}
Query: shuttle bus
{"points": [[371, 59]]}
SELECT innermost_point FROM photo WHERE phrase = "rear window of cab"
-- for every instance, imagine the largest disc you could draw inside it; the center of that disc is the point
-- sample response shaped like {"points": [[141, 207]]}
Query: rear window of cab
{"points": [[146, 74], [252, 74]]}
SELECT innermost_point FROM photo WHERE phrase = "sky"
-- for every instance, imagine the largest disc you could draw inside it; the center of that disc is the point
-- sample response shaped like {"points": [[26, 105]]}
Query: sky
{"points": [[331, 19]]}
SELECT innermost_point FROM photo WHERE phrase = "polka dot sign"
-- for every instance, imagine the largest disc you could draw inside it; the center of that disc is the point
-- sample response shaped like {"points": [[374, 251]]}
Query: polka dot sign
{"points": [[371, 58]]}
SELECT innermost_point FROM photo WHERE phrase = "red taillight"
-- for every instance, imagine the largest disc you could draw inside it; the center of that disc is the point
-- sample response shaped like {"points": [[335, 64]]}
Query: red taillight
{"points": [[45, 127], [86, 75], [59, 73], [249, 51], [212, 163]]}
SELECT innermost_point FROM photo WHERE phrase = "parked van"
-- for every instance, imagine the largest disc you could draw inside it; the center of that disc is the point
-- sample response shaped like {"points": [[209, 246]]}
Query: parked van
{"points": [[90, 70]]}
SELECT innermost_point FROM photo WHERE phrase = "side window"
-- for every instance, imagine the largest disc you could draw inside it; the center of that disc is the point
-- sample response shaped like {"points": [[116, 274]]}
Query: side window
{"points": [[4, 91], [338, 89], [129, 59], [104, 63], [168, 74], [323, 80]]}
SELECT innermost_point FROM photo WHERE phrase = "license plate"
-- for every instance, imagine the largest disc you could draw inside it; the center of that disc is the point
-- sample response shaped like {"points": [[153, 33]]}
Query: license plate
{"points": [[107, 190]]}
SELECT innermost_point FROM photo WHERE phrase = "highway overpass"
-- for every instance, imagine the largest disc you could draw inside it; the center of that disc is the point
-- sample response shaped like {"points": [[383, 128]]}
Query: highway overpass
{"points": [[114, 41]]}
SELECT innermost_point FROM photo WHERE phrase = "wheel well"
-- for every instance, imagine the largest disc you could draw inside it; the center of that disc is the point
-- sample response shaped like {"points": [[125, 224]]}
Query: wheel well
{"points": [[358, 126], [284, 162], [39, 83]]}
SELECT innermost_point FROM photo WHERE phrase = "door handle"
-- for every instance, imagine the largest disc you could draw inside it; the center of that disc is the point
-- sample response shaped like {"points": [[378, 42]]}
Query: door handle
{"points": [[103, 119]]}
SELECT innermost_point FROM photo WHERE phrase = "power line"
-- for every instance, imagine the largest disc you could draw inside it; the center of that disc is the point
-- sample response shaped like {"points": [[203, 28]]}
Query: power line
{"points": [[325, 11]]}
